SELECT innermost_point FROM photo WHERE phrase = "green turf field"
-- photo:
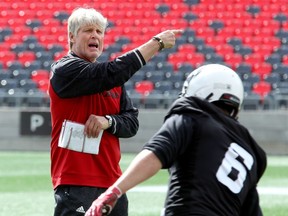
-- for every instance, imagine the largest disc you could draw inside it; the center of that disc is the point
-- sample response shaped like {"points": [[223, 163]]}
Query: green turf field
{"points": [[25, 187]]}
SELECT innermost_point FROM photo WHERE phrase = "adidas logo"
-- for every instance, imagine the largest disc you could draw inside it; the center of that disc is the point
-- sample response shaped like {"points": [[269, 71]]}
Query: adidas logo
{"points": [[80, 209]]}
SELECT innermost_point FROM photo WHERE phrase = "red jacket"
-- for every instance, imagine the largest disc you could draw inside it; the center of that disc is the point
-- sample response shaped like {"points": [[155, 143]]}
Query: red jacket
{"points": [[77, 89]]}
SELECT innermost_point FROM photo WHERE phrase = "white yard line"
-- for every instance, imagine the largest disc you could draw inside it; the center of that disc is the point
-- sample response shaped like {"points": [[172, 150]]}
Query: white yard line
{"points": [[273, 190], [262, 190]]}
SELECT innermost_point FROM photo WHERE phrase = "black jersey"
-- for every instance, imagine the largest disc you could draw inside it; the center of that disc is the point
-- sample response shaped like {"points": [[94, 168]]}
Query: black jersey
{"points": [[214, 163]]}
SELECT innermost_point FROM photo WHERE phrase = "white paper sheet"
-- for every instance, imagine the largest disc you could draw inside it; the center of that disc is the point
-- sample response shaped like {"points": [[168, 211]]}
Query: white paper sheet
{"points": [[72, 137]]}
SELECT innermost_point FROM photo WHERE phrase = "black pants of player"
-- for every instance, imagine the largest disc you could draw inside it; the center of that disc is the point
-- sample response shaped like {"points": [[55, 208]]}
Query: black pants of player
{"points": [[76, 200]]}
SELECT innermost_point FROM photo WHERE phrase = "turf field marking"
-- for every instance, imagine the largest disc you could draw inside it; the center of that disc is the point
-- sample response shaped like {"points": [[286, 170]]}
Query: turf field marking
{"points": [[262, 190]]}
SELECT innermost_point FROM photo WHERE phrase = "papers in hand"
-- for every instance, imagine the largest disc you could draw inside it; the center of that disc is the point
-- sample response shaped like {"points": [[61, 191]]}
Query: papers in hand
{"points": [[72, 137]]}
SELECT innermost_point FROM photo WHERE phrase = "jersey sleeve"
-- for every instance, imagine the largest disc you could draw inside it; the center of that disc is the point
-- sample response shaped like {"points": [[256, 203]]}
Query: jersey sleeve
{"points": [[125, 124], [172, 139]]}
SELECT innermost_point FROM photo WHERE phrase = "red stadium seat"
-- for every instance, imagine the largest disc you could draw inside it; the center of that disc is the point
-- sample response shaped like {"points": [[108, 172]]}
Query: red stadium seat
{"points": [[205, 32], [264, 50], [26, 56], [196, 24], [180, 57], [262, 88], [215, 41], [223, 49], [43, 85], [196, 59], [262, 69], [12, 39], [253, 58], [144, 87], [40, 74], [233, 59], [226, 32], [186, 48], [6, 56], [4, 47]]}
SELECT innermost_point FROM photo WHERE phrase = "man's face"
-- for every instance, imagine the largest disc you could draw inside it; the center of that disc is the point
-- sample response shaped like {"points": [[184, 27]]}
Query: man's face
{"points": [[88, 43]]}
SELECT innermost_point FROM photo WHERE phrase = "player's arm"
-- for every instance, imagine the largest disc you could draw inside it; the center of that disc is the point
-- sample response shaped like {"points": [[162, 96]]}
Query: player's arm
{"points": [[145, 165]]}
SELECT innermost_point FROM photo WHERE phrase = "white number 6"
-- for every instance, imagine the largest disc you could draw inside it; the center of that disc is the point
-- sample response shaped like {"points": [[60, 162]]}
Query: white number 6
{"points": [[235, 160]]}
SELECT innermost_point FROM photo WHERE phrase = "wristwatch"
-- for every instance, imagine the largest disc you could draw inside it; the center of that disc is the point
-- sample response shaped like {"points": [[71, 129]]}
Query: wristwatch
{"points": [[109, 118]]}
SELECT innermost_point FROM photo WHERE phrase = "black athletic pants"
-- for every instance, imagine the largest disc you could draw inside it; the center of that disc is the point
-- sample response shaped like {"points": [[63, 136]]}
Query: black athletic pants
{"points": [[76, 200]]}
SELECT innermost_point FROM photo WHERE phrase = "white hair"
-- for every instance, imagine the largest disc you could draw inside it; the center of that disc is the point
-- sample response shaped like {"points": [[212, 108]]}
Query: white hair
{"points": [[84, 17]]}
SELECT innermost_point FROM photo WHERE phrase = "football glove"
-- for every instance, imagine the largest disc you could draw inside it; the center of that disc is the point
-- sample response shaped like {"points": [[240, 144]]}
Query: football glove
{"points": [[104, 204]]}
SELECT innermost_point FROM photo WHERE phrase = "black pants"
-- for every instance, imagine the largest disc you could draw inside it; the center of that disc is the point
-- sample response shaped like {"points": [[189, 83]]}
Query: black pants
{"points": [[76, 200]]}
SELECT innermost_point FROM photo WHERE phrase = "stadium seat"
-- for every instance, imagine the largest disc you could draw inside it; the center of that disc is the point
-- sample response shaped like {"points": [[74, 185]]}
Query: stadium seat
{"points": [[252, 101], [28, 84], [136, 97], [9, 83], [189, 16], [153, 100], [224, 49], [20, 74], [155, 76], [205, 49], [138, 76], [262, 69], [18, 47], [144, 87], [14, 65], [196, 59], [233, 59], [26, 56], [174, 76], [178, 58], [234, 41], [33, 65], [187, 48], [4, 47], [243, 50], [5, 74], [33, 23], [214, 58], [262, 88], [273, 59], [280, 17], [247, 86], [43, 85], [6, 56], [164, 86], [36, 99], [129, 86], [251, 77], [3, 95], [184, 67], [196, 41], [38, 75], [15, 97], [36, 47], [164, 66]]}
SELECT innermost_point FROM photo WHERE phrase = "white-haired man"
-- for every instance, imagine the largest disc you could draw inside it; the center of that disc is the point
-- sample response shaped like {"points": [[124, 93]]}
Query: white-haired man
{"points": [[91, 93]]}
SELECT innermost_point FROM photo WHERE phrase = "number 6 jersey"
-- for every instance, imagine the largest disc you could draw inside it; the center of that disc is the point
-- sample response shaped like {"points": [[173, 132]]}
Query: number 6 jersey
{"points": [[214, 163]]}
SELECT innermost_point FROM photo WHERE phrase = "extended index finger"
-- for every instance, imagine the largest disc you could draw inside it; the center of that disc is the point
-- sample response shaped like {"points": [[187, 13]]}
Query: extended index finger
{"points": [[177, 31]]}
